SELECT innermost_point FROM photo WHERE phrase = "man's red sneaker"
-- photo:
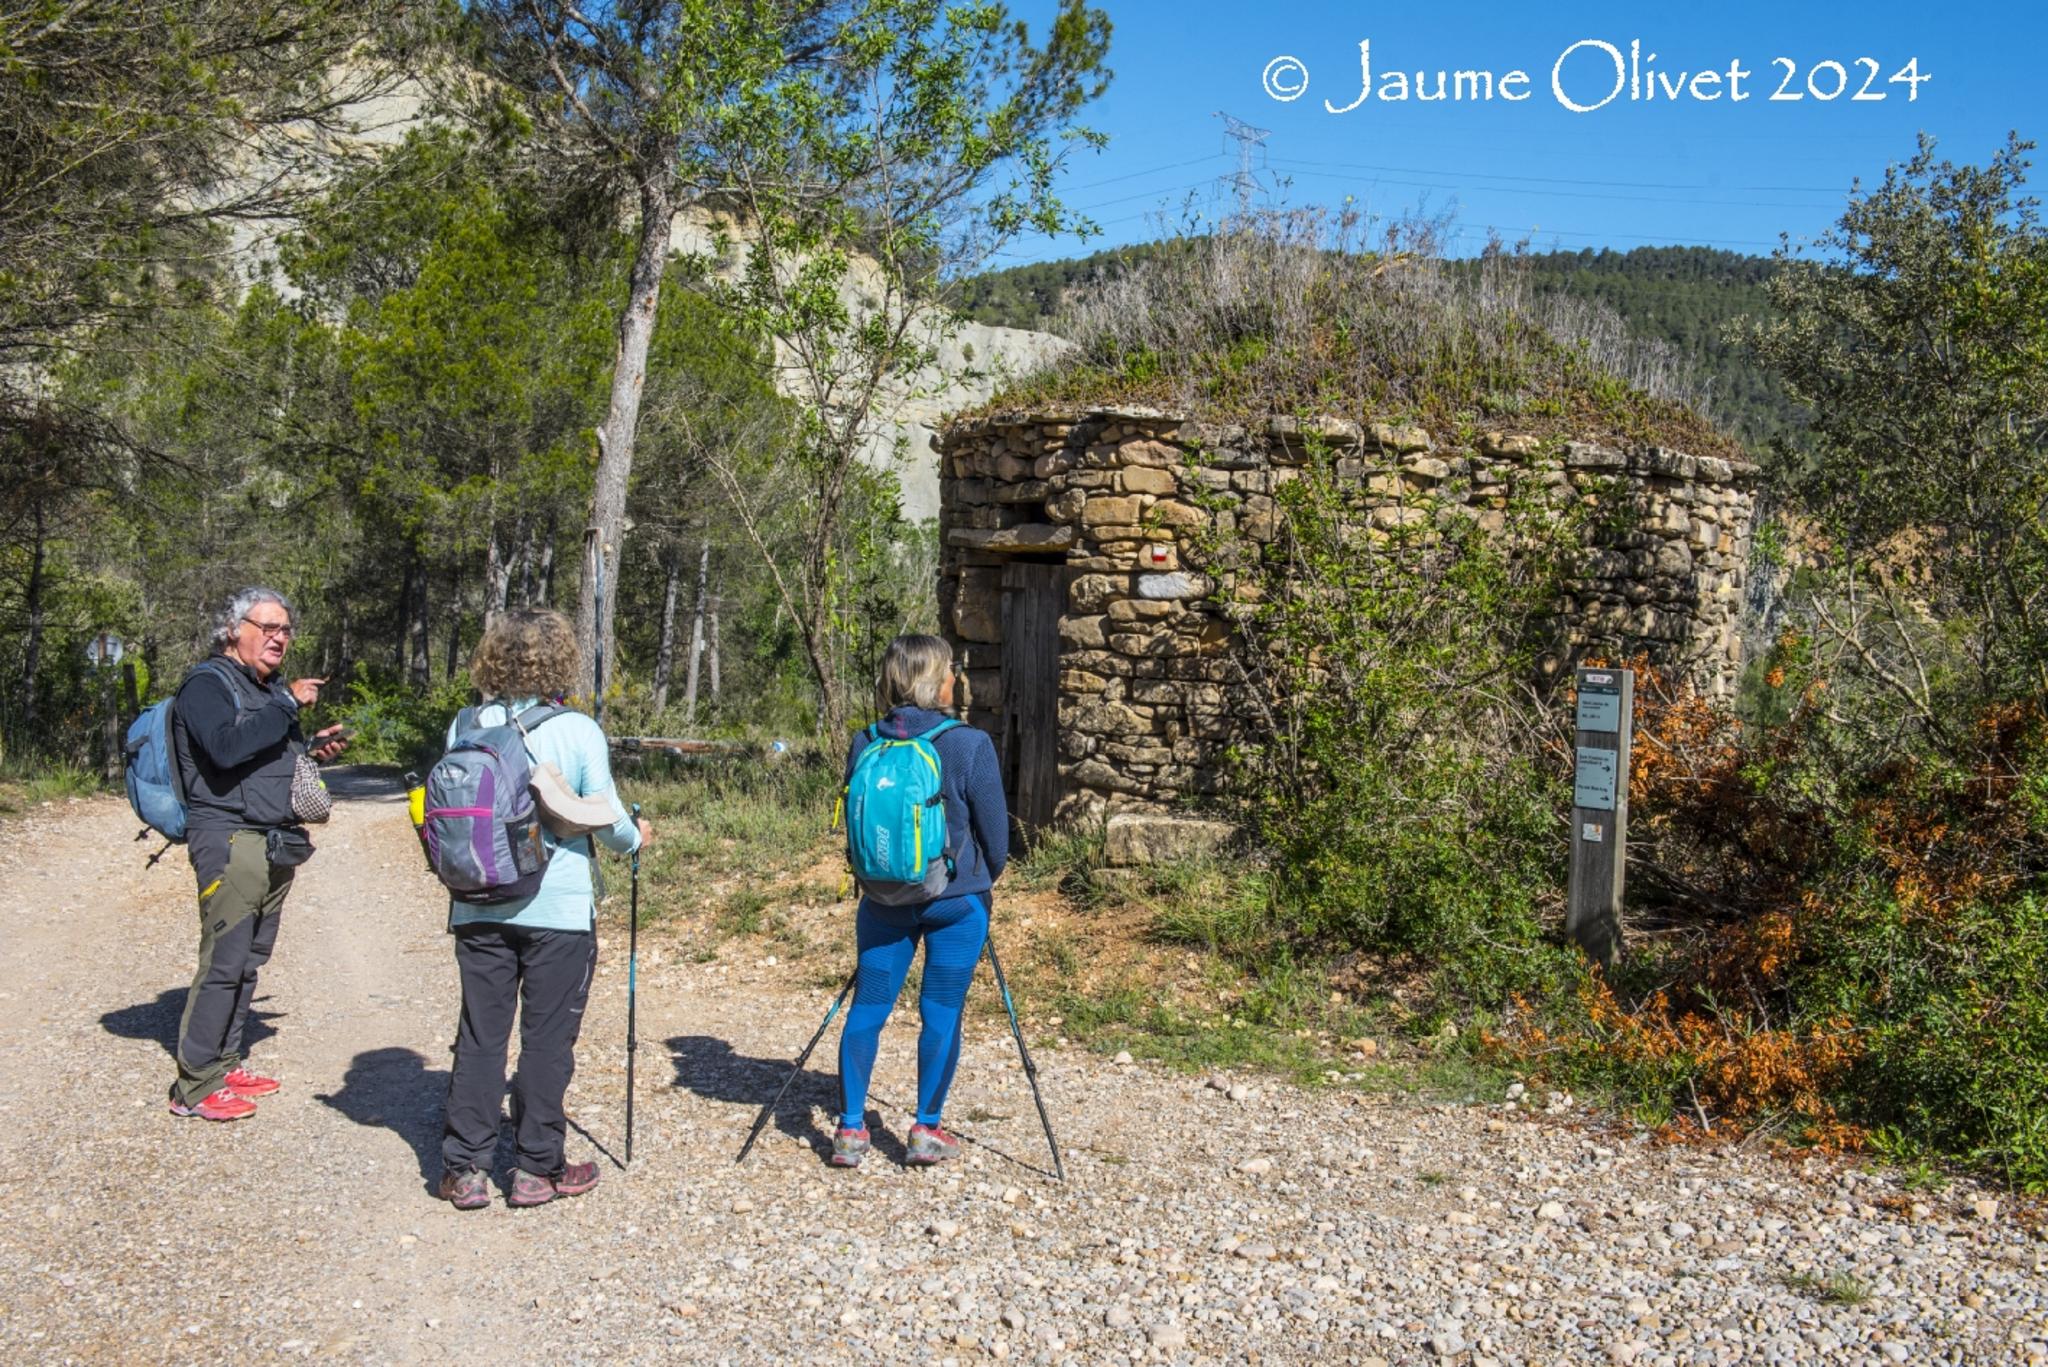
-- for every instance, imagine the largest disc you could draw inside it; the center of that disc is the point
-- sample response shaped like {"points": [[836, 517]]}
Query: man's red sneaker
{"points": [[221, 1105], [248, 1085]]}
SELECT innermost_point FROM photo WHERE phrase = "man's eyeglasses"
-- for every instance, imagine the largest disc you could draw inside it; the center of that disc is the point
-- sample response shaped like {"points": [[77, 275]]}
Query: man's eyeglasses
{"points": [[270, 629]]}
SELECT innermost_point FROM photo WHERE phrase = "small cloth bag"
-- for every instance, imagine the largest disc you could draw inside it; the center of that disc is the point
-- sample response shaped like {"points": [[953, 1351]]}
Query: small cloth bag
{"points": [[311, 802]]}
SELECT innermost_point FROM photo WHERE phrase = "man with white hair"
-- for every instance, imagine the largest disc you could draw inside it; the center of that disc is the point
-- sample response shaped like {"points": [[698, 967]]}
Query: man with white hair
{"points": [[235, 730]]}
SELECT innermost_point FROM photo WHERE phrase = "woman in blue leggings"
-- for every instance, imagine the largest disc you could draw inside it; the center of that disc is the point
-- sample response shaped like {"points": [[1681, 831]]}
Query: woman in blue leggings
{"points": [[916, 692]]}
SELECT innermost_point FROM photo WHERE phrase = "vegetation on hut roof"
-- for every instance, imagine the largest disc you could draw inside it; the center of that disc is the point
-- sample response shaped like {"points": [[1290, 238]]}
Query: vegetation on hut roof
{"points": [[1290, 314]]}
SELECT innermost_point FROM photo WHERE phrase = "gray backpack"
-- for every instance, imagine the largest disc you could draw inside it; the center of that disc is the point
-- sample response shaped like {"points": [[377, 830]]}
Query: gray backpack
{"points": [[483, 828]]}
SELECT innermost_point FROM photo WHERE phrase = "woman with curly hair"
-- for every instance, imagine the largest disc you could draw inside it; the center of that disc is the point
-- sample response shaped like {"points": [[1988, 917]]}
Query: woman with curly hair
{"points": [[536, 954]]}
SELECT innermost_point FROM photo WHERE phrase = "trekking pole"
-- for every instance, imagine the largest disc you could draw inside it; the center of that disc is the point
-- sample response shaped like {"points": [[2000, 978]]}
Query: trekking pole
{"points": [[801, 1059], [632, 984], [1030, 1068]]}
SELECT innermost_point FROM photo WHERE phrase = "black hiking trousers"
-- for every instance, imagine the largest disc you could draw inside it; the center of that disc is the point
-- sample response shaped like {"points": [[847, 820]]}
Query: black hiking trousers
{"points": [[545, 976]]}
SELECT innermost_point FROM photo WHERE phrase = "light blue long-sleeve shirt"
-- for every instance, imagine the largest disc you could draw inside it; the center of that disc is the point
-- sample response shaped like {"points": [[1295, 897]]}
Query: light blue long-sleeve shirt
{"points": [[567, 900]]}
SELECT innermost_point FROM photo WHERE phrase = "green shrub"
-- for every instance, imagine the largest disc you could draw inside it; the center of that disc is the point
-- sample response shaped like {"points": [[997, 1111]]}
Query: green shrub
{"points": [[1954, 1018], [1393, 777], [396, 724]]}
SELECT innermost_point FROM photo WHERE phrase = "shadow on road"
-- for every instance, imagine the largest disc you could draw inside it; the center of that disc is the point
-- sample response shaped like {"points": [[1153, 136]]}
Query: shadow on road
{"points": [[393, 1089], [709, 1067], [158, 1020]]}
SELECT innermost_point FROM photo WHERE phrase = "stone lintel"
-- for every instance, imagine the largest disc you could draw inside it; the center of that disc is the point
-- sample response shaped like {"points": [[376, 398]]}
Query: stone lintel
{"points": [[1028, 538]]}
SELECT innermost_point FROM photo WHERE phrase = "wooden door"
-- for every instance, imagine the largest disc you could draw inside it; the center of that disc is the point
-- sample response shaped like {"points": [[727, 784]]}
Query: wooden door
{"points": [[1034, 596]]}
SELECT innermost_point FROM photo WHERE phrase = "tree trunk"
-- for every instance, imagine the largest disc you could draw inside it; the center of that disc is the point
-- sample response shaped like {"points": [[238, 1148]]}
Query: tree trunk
{"points": [[817, 634], [498, 567], [714, 650], [405, 595], [697, 639], [32, 648], [547, 569], [455, 623], [665, 655], [110, 743], [622, 421], [416, 628]]}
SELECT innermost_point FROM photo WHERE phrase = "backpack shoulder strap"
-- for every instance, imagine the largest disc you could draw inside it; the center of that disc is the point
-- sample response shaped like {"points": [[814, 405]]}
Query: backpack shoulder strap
{"points": [[537, 714], [213, 665], [943, 727]]}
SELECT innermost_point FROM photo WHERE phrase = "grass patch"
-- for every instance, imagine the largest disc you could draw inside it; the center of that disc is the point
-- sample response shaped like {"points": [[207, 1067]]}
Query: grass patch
{"points": [[730, 834], [1064, 859], [24, 787], [742, 912], [1837, 1288], [1185, 964]]}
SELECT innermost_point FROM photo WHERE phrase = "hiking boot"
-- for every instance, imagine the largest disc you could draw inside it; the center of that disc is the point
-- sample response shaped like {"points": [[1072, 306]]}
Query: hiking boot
{"points": [[849, 1147], [576, 1179], [529, 1190], [930, 1144], [469, 1190], [248, 1085], [220, 1105]]}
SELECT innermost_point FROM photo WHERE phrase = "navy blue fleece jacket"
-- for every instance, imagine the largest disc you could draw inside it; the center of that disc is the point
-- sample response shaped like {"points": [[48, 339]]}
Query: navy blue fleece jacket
{"points": [[977, 815]]}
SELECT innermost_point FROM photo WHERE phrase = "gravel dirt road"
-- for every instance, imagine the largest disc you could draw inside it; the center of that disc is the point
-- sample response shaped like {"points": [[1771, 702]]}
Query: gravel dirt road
{"points": [[1282, 1226]]}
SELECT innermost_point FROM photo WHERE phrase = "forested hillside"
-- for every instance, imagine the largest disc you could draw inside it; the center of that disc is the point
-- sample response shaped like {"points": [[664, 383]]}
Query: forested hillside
{"points": [[343, 300], [1686, 297]]}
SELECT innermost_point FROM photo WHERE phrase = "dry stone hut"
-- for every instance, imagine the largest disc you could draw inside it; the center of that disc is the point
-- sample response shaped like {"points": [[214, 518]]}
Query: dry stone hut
{"points": [[1093, 652]]}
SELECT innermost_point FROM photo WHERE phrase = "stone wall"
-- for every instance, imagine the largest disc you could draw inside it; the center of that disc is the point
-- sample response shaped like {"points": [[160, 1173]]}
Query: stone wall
{"points": [[1107, 500]]}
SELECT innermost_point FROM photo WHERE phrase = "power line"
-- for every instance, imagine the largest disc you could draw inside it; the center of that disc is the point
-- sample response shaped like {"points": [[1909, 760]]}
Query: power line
{"points": [[1574, 180], [1150, 171], [1142, 194]]}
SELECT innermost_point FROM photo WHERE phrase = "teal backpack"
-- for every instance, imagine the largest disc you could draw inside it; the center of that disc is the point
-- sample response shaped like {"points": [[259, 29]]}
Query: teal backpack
{"points": [[896, 819]]}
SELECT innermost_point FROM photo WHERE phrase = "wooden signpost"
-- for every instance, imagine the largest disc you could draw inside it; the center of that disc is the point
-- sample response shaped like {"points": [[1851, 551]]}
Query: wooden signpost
{"points": [[1606, 714]]}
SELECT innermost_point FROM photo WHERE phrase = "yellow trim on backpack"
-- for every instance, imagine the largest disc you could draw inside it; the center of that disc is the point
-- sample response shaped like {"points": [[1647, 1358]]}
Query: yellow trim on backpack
{"points": [[209, 890]]}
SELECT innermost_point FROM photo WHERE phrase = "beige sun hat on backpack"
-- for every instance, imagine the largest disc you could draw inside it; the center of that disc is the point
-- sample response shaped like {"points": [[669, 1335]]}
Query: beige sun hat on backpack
{"points": [[564, 811]]}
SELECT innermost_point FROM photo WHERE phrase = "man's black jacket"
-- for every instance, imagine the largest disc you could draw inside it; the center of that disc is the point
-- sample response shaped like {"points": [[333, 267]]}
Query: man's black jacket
{"points": [[236, 739]]}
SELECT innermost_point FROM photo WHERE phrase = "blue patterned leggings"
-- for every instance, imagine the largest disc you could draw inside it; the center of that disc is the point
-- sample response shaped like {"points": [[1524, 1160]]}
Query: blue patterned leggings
{"points": [[953, 930]]}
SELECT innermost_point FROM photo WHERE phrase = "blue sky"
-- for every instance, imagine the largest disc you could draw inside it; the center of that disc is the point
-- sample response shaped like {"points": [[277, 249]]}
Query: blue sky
{"points": [[1632, 173]]}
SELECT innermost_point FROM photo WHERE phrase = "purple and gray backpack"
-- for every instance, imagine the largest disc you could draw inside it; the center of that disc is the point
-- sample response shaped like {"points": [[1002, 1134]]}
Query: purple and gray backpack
{"points": [[483, 831]]}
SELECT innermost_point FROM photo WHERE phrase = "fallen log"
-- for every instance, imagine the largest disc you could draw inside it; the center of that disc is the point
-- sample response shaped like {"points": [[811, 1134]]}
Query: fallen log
{"points": [[674, 746]]}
